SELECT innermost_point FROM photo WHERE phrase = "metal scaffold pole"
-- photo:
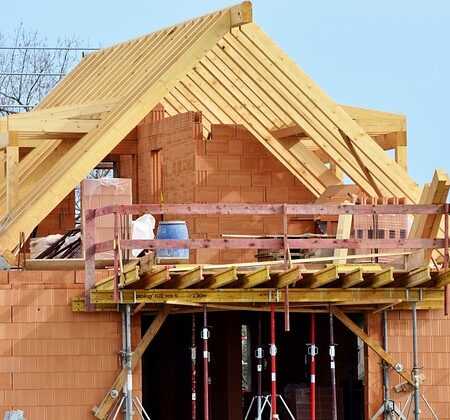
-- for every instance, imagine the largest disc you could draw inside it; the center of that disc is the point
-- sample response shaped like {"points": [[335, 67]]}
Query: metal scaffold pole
{"points": [[259, 368], [312, 350], [384, 364], [415, 365], [129, 383], [273, 358], [332, 368], [205, 337], [193, 371]]}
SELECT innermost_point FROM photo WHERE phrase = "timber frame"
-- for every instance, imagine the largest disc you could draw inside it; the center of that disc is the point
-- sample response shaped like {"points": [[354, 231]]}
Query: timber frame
{"points": [[199, 65]]}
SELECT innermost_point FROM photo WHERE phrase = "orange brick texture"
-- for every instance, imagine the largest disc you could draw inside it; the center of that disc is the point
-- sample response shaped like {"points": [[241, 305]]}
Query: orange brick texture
{"points": [[61, 219], [434, 356], [231, 167], [55, 364]]}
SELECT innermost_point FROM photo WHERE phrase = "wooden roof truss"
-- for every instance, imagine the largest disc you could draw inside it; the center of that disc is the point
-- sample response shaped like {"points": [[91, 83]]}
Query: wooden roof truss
{"points": [[221, 64]]}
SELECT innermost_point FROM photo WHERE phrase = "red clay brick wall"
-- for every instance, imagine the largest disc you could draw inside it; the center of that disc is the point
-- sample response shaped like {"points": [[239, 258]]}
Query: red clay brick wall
{"points": [[178, 137], [55, 364], [232, 167], [61, 219], [434, 356]]}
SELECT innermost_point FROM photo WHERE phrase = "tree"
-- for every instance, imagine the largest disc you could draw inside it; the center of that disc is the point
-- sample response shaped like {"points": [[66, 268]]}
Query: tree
{"points": [[29, 68]]}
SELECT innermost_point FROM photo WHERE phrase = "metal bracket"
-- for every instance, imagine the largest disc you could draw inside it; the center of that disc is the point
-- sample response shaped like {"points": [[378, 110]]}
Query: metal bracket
{"points": [[313, 350], [271, 297]]}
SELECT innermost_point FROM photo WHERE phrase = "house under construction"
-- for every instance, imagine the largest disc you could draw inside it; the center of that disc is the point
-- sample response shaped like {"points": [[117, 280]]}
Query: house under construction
{"points": [[310, 283]]}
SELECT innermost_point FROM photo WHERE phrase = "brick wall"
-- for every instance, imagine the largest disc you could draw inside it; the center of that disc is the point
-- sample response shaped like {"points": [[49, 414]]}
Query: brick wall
{"points": [[433, 355], [231, 167], [61, 219], [55, 364]]}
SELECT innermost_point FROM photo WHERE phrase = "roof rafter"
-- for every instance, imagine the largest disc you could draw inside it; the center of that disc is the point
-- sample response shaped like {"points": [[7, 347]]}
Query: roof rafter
{"points": [[178, 49]]}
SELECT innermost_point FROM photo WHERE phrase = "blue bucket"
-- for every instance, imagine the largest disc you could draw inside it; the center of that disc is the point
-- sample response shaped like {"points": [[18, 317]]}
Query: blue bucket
{"points": [[173, 229]]}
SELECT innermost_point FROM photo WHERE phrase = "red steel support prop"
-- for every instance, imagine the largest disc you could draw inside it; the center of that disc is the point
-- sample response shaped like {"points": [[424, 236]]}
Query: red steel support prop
{"points": [[193, 371], [205, 337], [273, 358], [259, 367], [313, 352], [446, 287], [332, 368]]}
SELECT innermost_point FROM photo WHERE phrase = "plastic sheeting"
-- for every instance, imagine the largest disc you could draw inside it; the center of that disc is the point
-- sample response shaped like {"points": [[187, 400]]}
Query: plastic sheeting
{"points": [[142, 228]]}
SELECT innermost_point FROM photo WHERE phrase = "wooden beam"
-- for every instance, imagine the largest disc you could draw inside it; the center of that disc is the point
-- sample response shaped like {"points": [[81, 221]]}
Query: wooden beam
{"points": [[419, 219], [258, 295], [376, 122], [219, 279], [344, 228], [401, 156], [54, 125], [65, 264], [415, 277], [12, 171], [102, 411], [2, 166], [254, 278], [165, 62], [442, 278], [350, 279], [320, 278], [147, 263], [380, 279], [285, 278], [33, 168], [391, 179], [355, 152], [186, 279], [153, 278], [292, 130], [371, 343], [241, 14], [67, 111], [299, 149], [224, 91], [128, 276], [428, 226]]}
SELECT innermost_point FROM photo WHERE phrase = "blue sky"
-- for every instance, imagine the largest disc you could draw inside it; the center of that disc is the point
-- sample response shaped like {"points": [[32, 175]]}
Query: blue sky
{"points": [[388, 55]]}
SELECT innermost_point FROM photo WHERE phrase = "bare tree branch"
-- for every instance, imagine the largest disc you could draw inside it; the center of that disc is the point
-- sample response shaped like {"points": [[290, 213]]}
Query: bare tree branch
{"points": [[25, 79]]}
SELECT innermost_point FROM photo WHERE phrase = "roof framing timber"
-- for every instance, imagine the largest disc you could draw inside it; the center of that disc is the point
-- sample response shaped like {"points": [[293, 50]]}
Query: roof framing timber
{"points": [[169, 54], [222, 64]]}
